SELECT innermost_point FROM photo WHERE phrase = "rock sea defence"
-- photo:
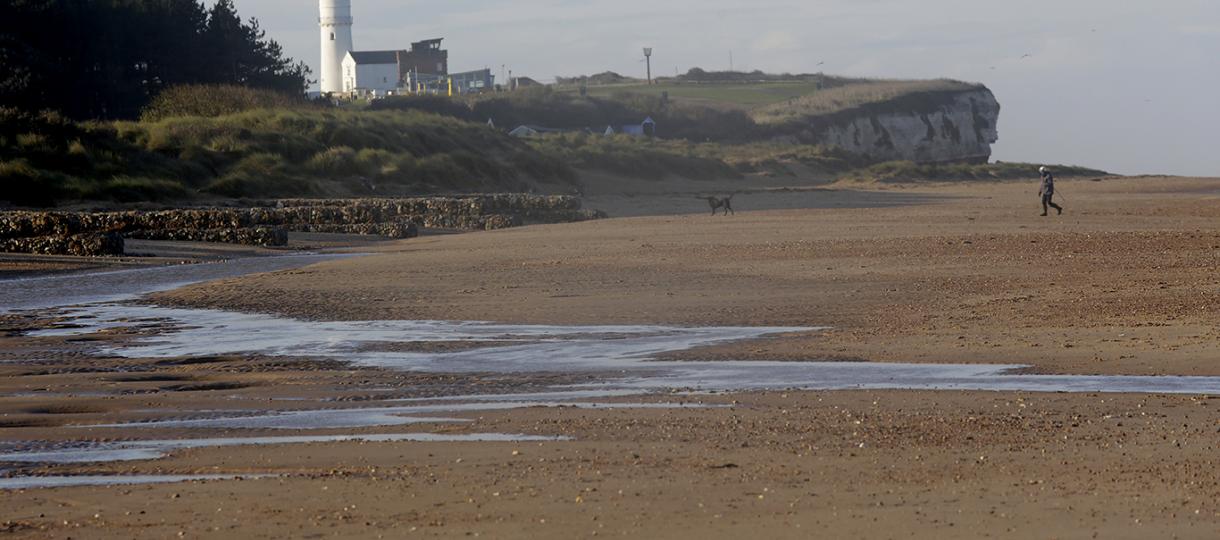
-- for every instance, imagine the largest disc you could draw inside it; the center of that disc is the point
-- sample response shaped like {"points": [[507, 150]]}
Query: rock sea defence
{"points": [[926, 127], [102, 233]]}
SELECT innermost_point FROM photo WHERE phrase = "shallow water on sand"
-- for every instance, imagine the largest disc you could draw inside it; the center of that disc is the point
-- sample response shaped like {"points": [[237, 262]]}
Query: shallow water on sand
{"points": [[625, 351], [368, 416], [110, 286], [619, 358]]}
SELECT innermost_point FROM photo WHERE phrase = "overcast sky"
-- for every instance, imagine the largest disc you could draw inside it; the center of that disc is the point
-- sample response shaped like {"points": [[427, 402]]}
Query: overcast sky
{"points": [[1130, 86]]}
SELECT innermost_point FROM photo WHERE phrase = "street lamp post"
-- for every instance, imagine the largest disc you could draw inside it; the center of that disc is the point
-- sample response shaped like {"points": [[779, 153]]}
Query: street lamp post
{"points": [[648, 61]]}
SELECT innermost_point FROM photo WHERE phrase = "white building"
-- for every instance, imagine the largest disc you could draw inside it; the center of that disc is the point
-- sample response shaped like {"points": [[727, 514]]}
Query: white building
{"points": [[370, 73], [335, 23]]}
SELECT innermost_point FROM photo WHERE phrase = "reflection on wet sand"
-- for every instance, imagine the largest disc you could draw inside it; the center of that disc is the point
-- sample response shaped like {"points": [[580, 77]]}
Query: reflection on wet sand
{"points": [[616, 361], [624, 352]]}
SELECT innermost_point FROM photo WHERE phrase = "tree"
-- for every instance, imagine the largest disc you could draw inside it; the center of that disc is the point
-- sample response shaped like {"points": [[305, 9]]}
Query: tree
{"points": [[108, 58], [242, 54]]}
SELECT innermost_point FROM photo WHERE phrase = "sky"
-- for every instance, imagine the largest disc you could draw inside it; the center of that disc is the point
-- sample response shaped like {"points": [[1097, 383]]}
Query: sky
{"points": [[1129, 86]]}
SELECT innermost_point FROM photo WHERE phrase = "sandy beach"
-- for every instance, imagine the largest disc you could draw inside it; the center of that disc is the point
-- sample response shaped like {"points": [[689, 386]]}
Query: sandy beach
{"points": [[1125, 282]]}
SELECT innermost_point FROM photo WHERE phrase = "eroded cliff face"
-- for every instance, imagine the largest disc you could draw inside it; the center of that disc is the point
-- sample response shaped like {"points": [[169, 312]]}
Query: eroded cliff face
{"points": [[955, 126]]}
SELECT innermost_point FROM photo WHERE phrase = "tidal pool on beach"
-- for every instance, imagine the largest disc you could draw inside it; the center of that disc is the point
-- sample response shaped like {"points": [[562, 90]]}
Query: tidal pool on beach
{"points": [[614, 361], [621, 355], [369, 416], [109, 286]]}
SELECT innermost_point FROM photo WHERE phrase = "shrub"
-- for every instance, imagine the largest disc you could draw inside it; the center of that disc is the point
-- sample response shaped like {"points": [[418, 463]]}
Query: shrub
{"points": [[373, 161], [404, 170], [32, 142], [217, 100], [25, 185], [261, 164], [75, 148], [439, 171], [334, 161], [241, 184], [128, 189]]}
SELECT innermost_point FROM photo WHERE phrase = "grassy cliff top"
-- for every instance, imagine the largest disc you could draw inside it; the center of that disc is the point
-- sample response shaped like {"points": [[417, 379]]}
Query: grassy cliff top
{"points": [[770, 98], [727, 95], [834, 100]]}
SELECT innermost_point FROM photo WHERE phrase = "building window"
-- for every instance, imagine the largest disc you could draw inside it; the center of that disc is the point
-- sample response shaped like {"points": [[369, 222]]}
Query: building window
{"points": [[332, 36]]}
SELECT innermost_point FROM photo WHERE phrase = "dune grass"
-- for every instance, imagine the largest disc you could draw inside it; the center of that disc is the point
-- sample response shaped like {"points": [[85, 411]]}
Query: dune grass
{"points": [[45, 159], [218, 100]]}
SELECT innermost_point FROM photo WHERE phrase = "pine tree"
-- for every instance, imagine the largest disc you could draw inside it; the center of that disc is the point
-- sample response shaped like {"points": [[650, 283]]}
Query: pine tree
{"points": [[108, 58], [242, 54]]}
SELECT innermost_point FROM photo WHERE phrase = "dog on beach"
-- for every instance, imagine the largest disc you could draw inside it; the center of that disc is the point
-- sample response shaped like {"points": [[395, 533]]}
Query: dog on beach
{"points": [[717, 203]]}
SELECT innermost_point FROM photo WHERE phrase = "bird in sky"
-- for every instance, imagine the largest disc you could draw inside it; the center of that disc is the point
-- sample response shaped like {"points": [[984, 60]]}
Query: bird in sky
{"points": [[1027, 55]]}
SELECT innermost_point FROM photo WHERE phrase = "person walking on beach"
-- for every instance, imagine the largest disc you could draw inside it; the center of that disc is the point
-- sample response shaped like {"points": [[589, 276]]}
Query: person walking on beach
{"points": [[1048, 190]]}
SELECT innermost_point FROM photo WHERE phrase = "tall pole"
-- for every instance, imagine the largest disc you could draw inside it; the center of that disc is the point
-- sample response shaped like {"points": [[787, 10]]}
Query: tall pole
{"points": [[648, 61]]}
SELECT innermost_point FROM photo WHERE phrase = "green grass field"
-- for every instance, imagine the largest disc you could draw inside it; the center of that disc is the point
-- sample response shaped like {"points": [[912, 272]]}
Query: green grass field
{"points": [[741, 95]]}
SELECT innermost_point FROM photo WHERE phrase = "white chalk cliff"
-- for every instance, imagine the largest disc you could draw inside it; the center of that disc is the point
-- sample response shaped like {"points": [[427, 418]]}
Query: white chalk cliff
{"points": [[956, 126]]}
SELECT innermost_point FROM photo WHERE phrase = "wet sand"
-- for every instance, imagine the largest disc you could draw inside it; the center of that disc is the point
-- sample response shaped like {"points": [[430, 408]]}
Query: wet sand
{"points": [[838, 464], [1124, 283]]}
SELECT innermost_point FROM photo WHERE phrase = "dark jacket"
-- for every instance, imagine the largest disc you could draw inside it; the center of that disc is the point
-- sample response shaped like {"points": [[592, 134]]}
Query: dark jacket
{"points": [[1048, 184]]}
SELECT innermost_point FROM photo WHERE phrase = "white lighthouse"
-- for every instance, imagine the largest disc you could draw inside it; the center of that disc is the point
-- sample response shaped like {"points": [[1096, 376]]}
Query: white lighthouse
{"points": [[335, 21]]}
